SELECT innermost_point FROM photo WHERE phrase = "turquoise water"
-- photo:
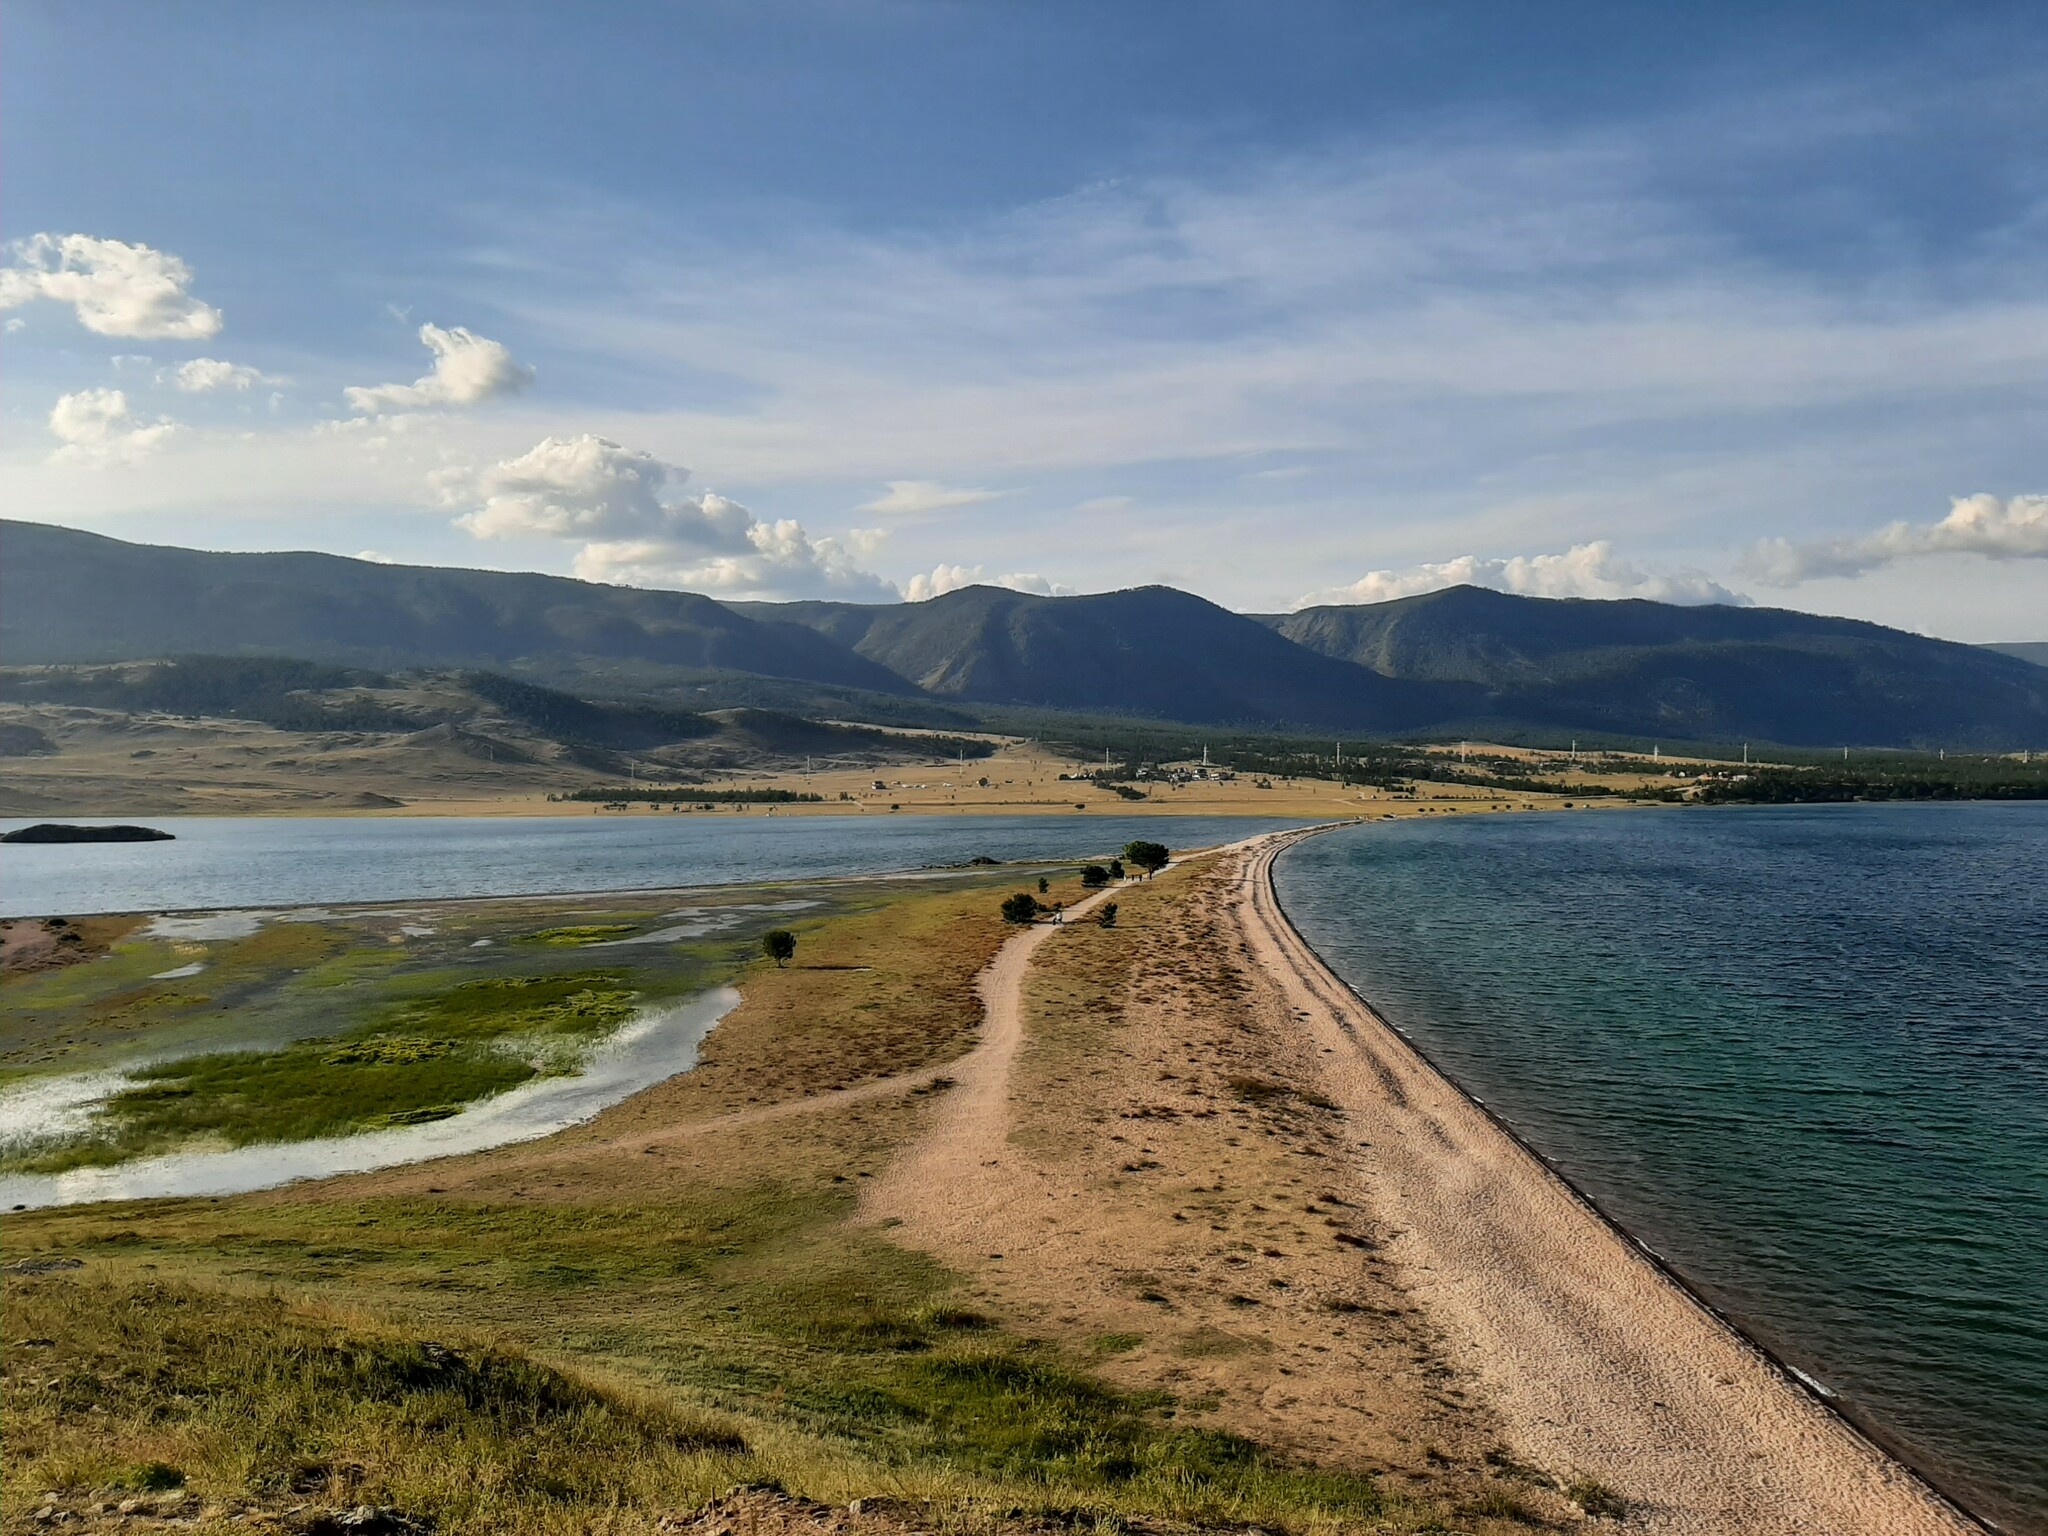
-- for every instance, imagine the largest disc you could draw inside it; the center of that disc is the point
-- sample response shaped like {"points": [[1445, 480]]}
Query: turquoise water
{"points": [[1800, 1052], [299, 861]]}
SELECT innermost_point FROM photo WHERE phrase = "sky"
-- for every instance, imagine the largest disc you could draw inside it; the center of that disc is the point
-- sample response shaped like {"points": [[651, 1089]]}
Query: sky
{"points": [[871, 299]]}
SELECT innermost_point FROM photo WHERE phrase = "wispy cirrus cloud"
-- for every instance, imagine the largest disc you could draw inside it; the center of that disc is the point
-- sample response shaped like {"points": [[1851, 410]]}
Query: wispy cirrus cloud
{"points": [[914, 497]]}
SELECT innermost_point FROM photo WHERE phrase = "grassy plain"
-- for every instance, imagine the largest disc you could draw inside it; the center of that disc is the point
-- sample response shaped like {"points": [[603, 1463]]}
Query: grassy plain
{"points": [[603, 1330], [105, 763]]}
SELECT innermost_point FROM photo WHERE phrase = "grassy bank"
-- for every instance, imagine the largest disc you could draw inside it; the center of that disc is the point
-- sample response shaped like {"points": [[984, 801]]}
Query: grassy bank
{"points": [[606, 1329]]}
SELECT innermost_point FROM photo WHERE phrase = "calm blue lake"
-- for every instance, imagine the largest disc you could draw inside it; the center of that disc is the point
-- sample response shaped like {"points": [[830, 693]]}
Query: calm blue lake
{"points": [[295, 861], [1801, 1052]]}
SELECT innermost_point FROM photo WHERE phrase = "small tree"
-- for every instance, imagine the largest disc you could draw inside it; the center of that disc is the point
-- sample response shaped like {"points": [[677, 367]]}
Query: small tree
{"points": [[1020, 908], [1116, 869], [778, 944], [1094, 876], [1043, 887], [1150, 857], [1106, 914]]}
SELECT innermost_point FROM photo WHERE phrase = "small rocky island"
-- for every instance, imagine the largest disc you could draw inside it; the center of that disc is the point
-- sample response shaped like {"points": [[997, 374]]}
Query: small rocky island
{"points": [[65, 832]]}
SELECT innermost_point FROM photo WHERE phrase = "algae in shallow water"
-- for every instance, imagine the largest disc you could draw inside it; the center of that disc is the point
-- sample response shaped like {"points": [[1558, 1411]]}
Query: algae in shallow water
{"points": [[456, 1047]]}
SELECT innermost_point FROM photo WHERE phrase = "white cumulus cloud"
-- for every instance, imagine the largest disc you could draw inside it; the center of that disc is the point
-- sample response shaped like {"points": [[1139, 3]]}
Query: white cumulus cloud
{"points": [[209, 375], [910, 497], [116, 289], [96, 426], [1999, 529], [468, 369], [640, 530], [942, 579], [1585, 570]]}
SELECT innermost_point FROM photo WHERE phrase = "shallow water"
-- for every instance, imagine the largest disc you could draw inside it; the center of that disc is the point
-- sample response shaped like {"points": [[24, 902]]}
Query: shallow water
{"points": [[1800, 1052], [656, 1045], [301, 861]]}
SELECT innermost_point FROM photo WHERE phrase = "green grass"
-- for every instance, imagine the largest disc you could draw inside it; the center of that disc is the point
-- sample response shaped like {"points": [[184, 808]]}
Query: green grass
{"points": [[421, 1060], [591, 1342], [586, 933], [154, 1387], [842, 1362]]}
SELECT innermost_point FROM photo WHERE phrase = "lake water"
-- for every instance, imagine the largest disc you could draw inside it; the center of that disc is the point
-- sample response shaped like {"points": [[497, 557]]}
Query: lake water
{"points": [[1800, 1052], [657, 1045], [296, 861]]}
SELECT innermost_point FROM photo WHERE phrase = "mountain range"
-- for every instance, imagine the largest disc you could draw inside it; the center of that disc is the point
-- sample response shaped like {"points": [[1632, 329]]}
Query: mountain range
{"points": [[1463, 660]]}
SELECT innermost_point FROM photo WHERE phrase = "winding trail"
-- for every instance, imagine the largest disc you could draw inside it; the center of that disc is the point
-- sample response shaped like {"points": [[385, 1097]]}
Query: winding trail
{"points": [[944, 1180]]}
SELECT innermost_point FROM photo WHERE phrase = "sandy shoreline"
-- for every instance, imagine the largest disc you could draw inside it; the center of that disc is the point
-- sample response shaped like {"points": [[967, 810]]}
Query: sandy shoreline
{"points": [[1585, 1358], [1597, 1358]]}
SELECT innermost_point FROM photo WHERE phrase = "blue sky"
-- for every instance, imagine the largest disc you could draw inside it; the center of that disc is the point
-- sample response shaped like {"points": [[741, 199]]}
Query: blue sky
{"points": [[1276, 303]]}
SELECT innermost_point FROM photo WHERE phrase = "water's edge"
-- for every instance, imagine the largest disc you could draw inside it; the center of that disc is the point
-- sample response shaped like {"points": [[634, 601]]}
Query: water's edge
{"points": [[659, 1044], [1847, 1413]]}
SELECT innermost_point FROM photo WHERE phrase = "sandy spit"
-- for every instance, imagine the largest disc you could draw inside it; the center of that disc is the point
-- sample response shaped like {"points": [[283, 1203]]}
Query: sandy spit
{"points": [[1596, 1360]]}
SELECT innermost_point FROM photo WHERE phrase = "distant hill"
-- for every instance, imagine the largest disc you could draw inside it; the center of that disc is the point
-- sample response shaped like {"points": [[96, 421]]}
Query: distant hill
{"points": [[645, 665], [2035, 651], [1151, 651], [67, 596], [1711, 673]]}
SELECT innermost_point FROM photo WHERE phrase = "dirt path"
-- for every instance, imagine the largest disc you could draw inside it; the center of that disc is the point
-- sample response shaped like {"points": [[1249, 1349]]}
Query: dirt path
{"points": [[966, 1137], [1595, 1359], [987, 1061]]}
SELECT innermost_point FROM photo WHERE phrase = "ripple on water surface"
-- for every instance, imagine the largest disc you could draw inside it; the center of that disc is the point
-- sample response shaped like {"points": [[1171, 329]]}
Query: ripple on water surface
{"points": [[1803, 1053]]}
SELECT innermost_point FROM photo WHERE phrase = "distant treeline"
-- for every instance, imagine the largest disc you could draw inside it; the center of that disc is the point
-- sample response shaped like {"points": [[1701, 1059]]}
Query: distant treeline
{"points": [[1393, 768], [683, 794], [1807, 787]]}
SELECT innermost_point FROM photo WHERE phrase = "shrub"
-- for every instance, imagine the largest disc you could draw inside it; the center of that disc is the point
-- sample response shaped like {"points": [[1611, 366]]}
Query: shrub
{"points": [[778, 944], [1107, 915], [1094, 876], [1020, 908]]}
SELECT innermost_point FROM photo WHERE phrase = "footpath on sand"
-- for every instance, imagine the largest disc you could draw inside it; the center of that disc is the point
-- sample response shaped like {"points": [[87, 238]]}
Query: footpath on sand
{"points": [[1595, 1361]]}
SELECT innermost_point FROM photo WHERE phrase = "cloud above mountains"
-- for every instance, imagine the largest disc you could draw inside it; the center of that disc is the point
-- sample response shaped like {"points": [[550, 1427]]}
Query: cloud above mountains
{"points": [[1584, 570], [468, 370], [942, 579], [2010, 529], [114, 288], [97, 426], [638, 529]]}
